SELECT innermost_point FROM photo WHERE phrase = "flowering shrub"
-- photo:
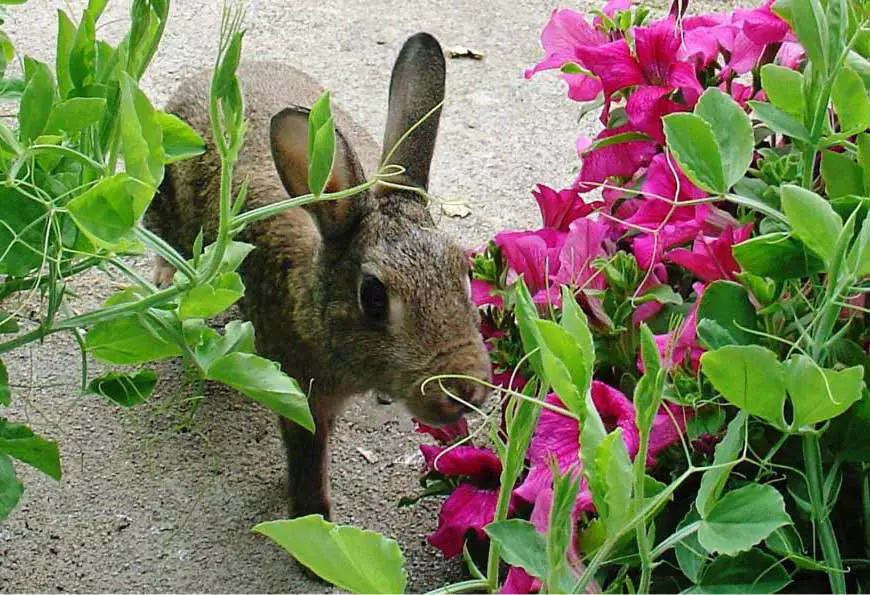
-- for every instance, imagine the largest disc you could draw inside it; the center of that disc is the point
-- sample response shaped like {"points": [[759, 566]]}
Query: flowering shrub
{"points": [[681, 348]]}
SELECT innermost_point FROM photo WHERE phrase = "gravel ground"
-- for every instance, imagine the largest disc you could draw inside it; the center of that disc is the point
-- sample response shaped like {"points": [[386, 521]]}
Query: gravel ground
{"points": [[145, 505]]}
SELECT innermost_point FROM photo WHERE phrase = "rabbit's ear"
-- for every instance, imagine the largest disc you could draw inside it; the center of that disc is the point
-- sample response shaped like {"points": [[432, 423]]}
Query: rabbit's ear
{"points": [[416, 87], [289, 141]]}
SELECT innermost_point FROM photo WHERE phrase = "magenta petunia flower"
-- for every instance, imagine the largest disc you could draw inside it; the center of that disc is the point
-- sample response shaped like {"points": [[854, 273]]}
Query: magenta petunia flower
{"points": [[582, 246], [534, 255], [646, 107], [711, 259], [472, 504], [482, 294], [564, 33], [657, 276], [682, 345], [757, 28], [620, 160], [446, 434], [560, 208], [519, 581], [704, 38]]}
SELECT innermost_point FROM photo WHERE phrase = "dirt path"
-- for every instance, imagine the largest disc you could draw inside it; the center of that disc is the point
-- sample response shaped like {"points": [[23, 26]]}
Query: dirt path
{"points": [[146, 507]]}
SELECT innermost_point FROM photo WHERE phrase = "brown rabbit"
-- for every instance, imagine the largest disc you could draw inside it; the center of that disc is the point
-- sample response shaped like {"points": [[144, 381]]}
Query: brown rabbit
{"points": [[349, 296]]}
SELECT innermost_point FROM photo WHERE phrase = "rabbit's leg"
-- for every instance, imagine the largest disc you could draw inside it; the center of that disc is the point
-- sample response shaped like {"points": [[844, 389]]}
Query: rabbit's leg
{"points": [[308, 462]]}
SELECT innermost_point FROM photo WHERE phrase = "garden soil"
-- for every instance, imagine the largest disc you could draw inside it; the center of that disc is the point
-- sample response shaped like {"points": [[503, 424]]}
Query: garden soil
{"points": [[149, 502]]}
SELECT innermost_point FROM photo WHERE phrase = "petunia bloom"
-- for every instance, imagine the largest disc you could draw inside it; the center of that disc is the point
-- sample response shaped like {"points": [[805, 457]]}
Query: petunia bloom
{"points": [[681, 346], [446, 434], [620, 160], [560, 208], [711, 259], [534, 255]]}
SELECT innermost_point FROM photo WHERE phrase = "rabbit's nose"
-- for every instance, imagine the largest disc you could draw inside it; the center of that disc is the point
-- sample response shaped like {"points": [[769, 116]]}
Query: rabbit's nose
{"points": [[473, 395]]}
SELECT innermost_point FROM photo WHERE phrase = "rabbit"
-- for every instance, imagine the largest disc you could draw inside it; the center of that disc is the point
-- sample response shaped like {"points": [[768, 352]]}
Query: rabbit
{"points": [[362, 294]]}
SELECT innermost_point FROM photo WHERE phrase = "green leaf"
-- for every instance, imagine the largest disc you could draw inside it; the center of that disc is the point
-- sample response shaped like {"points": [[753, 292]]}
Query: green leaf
{"points": [[783, 88], [850, 101], [560, 530], [19, 442], [226, 74], [126, 341], [748, 572], [807, 20], [778, 256], [141, 134], [10, 488], [843, 177], [726, 455], [66, 32], [124, 389], [713, 335], [611, 483], [750, 377], [821, 394], [180, 141], [814, 221], [526, 315], [693, 143], [75, 115], [210, 299], [320, 165], [108, 212], [779, 121], [521, 545], [785, 541], [353, 559], [727, 304], [23, 223], [863, 142], [742, 519], [208, 345], [264, 382], [649, 351], [849, 432], [36, 101], [5, 395], [859, 255], [83, 55], [691, 556], [575, 322], [564, 366], [732, 131]]}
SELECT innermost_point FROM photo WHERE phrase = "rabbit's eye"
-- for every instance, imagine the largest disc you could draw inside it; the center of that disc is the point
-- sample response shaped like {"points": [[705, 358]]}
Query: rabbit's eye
{"points": [[373, 298]]}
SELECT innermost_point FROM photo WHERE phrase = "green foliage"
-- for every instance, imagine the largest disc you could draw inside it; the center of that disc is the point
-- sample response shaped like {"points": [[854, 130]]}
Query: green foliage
{"points": [[356, 560]]}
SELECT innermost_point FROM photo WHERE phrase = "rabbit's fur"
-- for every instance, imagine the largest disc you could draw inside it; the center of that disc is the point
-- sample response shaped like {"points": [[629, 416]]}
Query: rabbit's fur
{"points": [[310, 293]]}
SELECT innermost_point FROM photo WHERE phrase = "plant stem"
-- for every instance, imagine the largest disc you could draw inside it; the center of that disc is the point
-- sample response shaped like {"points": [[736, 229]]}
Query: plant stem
{"points": [[865, 503], [821, 518], [643, 544], [462, 587], [501, 510]]}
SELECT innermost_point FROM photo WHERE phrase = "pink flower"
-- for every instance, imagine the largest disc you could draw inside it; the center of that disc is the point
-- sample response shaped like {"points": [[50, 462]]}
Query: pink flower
{"points": [[678, 346], [582, 246], [472, 505], [656, 62], [446, 434], [757, 29], [559, 209], [647, 106], [619, 160], [482, 294], [742, 93], [704, 38], [712, 258], [534, 255], [519, 581], [566, 31], [658, 276]]}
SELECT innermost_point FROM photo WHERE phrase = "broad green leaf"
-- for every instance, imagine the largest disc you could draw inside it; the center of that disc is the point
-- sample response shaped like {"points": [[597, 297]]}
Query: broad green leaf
{"points": [[226, 74], [779, 121], [19, 442], [850, 100], [616, 139], [36, 101], [592, 435], [611, 482], [124, 389], [83, 55], [23, 224], [66, 32], [742, 519], [521, 545], [814, 221], [778, 256], [732, 131], [320, 165], [750, 377], [819, 394], [560, 530], [141, 134], [649, 351], [126, 341], [785, 541], [75, 115], [747, 573], [863, 142], [522, 419], [843, 177], [727, 304], [5, 395], [783, 88], [108, 212], [849, 432], [526, 315], [210, 299], [234, 253], [837, 18], [564, 364], [575, 322], [10, 488], [691, 556], [208, 345], [807, 20], [713, 335], [353, 559], [264, 382], [556, 375], [726, 455], [692, 141], [180, 141], [859, 255]]}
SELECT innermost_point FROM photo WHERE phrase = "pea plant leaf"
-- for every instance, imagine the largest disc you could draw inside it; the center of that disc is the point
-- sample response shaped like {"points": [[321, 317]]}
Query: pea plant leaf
{"points": [[777, 255], [353, 559], [210, 299], [23, 222], [693, 144], [36, 100], [725, 457], [263, 381], [126, 340], [727, 304], [819, 394], [812, 218], [732, 132], [10, 487], [851, 104], [321, 144], [124, 389], [180, 141], [108, 211], [750, 377], [783, 88], [521, 545], [742, 518], [611, 482], [779, 121], [752, 572], [842, 175], [141, 134], [19, 442], [75, 115]]}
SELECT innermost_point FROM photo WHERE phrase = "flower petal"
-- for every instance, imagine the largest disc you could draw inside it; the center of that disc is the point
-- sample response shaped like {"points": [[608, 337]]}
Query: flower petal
{"points": [[481, 294], [471, 461], [468, 508], [612, 63], [519, 581], [619, 160], [444, 434]]}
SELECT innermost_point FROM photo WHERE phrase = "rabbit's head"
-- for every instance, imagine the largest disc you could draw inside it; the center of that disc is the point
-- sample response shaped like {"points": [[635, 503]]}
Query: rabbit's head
{"points": [[392, 292]]}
